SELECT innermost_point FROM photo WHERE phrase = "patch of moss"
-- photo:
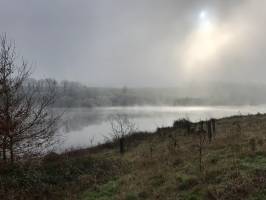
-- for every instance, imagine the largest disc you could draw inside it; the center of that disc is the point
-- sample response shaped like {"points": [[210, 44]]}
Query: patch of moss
{"points": [[193, 195], [157, 181], [186, 182], [261, 195], [254, 162], [104, 192], [132, 196]]}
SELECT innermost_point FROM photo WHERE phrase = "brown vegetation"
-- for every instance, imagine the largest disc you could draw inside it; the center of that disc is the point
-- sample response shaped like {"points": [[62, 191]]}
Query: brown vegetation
{"points": [[155, 166]]}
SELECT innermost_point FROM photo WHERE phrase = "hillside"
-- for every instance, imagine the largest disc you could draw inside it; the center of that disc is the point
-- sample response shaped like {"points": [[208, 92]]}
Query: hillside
{"points": [[161, 165]]}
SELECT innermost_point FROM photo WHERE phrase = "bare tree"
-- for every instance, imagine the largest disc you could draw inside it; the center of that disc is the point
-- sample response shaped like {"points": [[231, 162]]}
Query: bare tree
{"points": [[26, 122], [121, 126]]}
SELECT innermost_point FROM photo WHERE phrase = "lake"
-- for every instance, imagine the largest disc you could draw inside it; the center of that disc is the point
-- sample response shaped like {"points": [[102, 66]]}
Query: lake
{"points": [[84, 127]]}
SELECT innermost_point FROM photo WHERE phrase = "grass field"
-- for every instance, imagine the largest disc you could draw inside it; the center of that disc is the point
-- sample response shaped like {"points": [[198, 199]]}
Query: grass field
{"points": [[161, 165]]}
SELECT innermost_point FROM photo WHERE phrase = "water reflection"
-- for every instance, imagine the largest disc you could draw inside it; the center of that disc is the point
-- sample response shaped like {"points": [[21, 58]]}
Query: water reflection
{"points": [[83, 127]]}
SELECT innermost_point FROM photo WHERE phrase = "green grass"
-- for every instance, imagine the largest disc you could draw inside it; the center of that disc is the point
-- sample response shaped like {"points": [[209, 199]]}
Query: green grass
{"points": [[260, 195], [132, 196], [186, 182], [104, 192], [254, 162], [157, 180], [231, 170], [50, 179]]}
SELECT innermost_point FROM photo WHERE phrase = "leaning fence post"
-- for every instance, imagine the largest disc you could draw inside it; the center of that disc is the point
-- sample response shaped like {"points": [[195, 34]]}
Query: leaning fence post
{"points": [[213, 125], [209, 128], [121, 142]]}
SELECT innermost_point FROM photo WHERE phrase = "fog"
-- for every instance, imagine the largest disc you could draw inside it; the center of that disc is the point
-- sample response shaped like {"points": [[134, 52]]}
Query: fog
{"points": [[132, 99], [87, 127], [139, 43]]}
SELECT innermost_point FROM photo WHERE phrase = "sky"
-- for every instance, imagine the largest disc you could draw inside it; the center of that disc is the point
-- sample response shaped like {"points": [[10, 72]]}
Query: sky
{"points": [[139, 43]]}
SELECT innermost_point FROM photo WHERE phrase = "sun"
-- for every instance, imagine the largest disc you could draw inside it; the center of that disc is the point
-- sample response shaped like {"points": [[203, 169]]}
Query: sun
{"points": [[205, 22], [203, 15], [205, 43]]}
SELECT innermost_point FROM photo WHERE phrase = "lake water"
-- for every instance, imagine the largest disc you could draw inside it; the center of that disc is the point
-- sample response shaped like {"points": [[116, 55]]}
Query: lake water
{"points": [[85, 127]]}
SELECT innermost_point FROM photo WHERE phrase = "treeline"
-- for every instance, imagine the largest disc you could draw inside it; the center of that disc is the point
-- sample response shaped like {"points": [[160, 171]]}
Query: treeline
{"points": [[74, 94]]}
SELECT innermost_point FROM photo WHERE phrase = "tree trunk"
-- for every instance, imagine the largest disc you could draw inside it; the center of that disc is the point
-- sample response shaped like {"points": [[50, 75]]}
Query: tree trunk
{"points": [[11, 150], [4, 148]]}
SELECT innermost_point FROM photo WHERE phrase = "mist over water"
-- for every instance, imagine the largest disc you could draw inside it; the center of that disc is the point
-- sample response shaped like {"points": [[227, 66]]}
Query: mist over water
{"points": [[85, 127]]}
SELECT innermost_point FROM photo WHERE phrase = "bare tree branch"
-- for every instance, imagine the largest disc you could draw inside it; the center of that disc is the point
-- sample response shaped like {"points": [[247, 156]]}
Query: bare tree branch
{"points": [[27, 124]]}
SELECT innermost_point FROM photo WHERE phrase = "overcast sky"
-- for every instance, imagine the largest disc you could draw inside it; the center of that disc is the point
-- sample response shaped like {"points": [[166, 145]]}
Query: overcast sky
{"points": [[139, 42]]}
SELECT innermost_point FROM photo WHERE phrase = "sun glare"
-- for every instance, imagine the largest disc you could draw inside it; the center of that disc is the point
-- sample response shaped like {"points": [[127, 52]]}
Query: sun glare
{"points": [[202, 15], [205, 23], [205, 43]]}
